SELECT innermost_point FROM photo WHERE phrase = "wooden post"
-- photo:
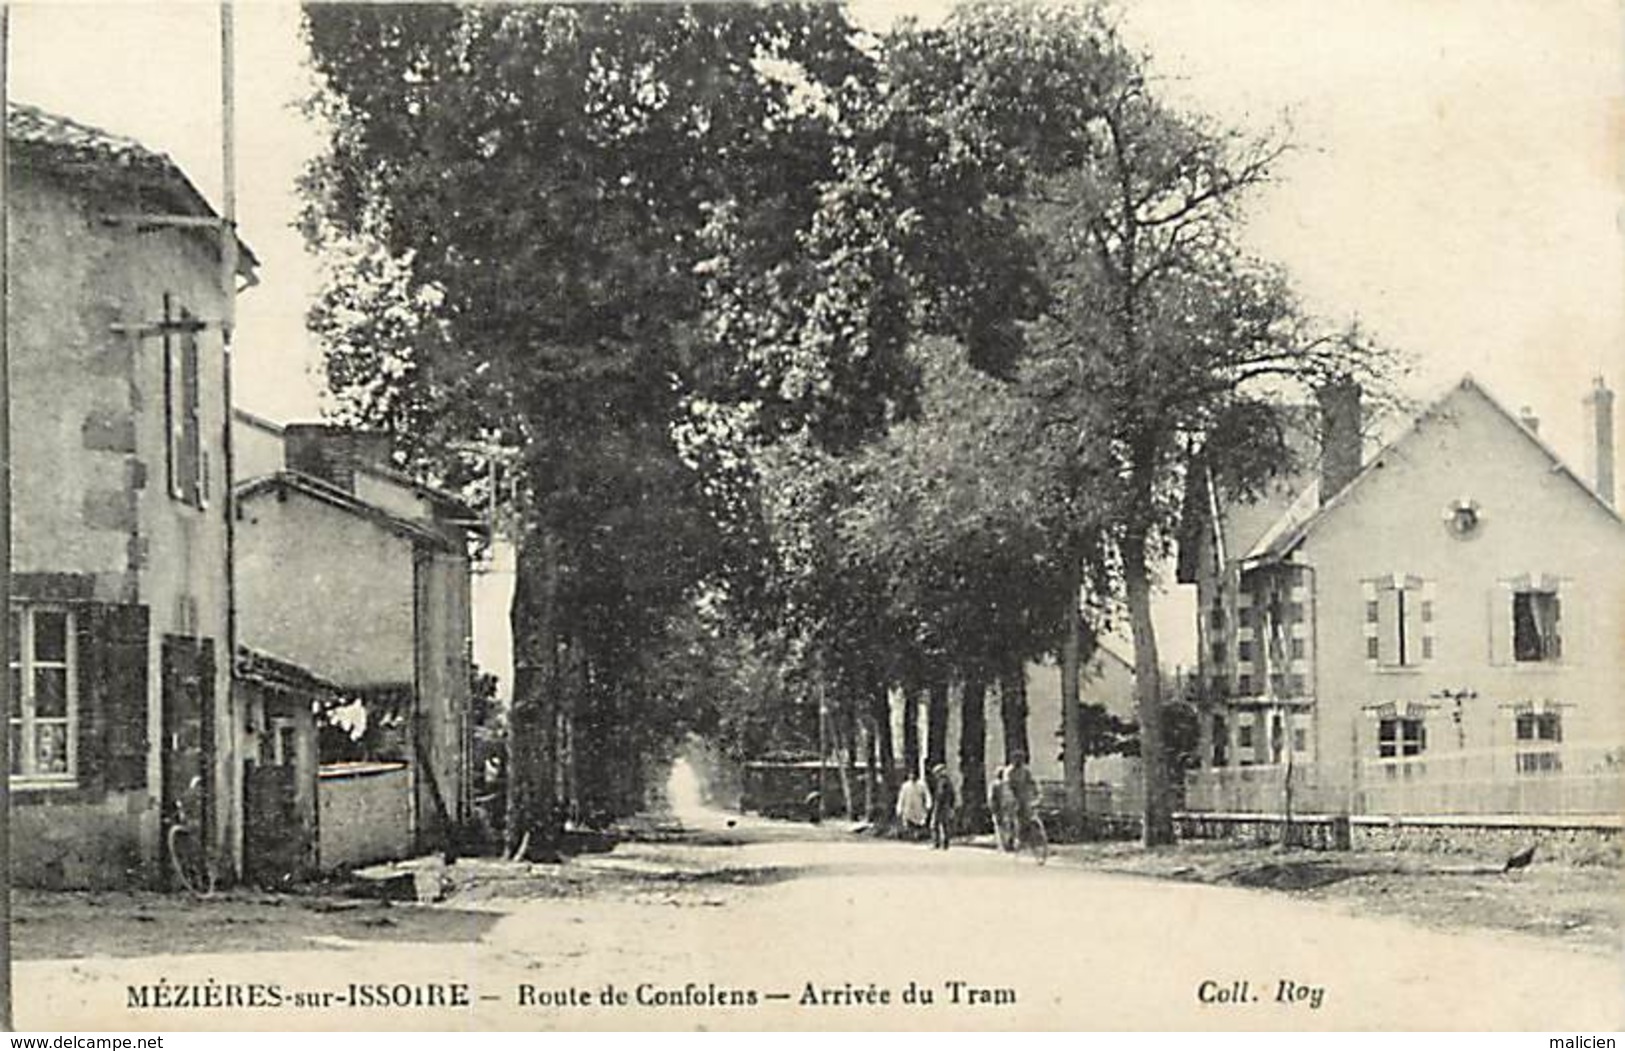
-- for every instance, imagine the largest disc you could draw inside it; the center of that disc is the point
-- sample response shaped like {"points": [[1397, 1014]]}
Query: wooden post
{"points": [[228, 325]]}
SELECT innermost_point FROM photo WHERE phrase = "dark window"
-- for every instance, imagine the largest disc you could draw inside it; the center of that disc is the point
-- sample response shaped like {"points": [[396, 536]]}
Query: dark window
{"points": [[1297, 649], [1244, 651], [1536, 626], [1218, 653], [1219, 740], [1540, 726], [1244, 685], [1398, 737]]}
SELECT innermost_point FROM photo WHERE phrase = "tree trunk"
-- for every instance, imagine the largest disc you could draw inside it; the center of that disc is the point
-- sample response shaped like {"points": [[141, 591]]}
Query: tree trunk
{"points": [[1159, 818], [1013, 714], [534, 817], [846, 737], [885, 760], [973, 752], [936, 723], [1072, 815], [911, 728]]}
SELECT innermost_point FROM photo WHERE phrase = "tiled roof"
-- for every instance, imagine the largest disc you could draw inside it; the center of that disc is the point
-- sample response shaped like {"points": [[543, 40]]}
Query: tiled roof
{"points": [[31, 126], [67, 142]]}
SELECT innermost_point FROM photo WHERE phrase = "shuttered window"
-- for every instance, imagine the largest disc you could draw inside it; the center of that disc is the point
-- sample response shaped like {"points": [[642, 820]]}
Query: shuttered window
{"points": [[1536, 619], [1399, 630], [44, 707], [79, 696], [185, 459]]}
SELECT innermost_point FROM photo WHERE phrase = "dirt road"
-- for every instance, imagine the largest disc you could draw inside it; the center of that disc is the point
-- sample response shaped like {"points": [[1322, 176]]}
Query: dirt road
{"points": [[766, 925]]}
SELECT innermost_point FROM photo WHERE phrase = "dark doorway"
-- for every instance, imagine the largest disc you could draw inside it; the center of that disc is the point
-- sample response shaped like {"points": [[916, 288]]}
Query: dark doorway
{"points": [[188, 745]]}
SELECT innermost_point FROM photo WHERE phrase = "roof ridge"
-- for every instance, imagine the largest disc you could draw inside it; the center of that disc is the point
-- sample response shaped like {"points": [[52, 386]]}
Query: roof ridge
{"points": [[83, 144], [93, 135], [1288, 535]]}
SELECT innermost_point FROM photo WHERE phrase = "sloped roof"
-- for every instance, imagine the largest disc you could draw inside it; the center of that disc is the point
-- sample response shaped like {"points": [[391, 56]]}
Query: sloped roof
{"points": [[43, 139], [1308, 512], [286, 481], [1241, 525], [260, 667], [448, 501]]}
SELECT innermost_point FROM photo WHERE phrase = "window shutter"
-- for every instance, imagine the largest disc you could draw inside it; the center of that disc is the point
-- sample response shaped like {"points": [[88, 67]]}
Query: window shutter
{"points": [[112, 650], [191, 451], [1427, 612], [1388, 626], [1500, 615], [1571, 625], [1413, 629], [172, 421]]}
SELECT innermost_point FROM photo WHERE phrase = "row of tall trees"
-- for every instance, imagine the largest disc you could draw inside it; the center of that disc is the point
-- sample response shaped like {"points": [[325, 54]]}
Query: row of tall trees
{"points": [[834, 363]]}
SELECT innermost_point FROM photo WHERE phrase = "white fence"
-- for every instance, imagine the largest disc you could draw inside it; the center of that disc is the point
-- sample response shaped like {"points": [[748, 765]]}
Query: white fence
{"points": [[1545, 780]]}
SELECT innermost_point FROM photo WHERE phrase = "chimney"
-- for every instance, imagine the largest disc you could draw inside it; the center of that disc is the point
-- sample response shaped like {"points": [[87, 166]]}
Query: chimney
{"points": [[1530, 420], [330, 453], [1599, 405], [1340, 438]]}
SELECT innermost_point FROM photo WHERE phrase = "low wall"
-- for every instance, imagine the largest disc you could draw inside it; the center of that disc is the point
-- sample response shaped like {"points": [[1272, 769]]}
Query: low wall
{"points": [[1577, 842], [1581, 841], [60, 842], [364, 814]]}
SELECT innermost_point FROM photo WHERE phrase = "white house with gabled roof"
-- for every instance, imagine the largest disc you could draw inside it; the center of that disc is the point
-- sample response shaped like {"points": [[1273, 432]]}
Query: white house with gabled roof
{"points": [[1437, 629]]}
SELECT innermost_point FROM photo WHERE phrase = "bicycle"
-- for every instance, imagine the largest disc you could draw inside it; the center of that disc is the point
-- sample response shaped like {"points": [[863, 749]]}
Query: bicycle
{"points": [[190, 861]]}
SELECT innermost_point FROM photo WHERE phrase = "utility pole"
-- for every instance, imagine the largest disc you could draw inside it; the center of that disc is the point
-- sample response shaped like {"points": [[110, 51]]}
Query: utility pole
{"points": [[5, 530], [228, 324]]}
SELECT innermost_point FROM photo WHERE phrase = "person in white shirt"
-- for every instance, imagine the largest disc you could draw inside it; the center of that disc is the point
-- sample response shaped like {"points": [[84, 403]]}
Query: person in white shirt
{"points": [[913, 807]]}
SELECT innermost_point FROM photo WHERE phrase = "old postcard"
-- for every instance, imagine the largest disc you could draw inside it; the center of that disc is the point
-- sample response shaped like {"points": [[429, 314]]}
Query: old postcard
{"points": [[768, 517]]}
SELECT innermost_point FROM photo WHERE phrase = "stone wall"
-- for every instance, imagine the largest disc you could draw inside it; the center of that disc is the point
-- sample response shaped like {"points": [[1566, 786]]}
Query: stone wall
{"points": [[364, 814]]}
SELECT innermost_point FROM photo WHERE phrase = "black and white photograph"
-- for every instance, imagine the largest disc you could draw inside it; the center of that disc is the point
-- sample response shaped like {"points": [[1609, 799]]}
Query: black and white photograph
{"points": [[910, 516]]}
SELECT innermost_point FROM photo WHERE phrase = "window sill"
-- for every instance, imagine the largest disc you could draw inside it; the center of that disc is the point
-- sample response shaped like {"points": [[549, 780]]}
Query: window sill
{"points": [[1396, 669], [39, 792], [43, 784]]}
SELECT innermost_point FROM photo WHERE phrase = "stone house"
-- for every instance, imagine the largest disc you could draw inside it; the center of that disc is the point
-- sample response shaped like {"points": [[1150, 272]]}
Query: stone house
{"points": [[122, 717], [1435, 630], [360, 576]]}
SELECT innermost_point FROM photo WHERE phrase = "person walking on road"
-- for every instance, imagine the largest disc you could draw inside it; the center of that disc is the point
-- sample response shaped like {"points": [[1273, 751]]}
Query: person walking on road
{"points": [[944, 801], [1001, 808], [913, 807], [1022, 793]]}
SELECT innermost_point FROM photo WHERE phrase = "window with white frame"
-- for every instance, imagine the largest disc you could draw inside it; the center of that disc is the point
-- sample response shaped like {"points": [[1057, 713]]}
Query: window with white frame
{"points": [[44, 710], [1400, 737], [1538, 734]]}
